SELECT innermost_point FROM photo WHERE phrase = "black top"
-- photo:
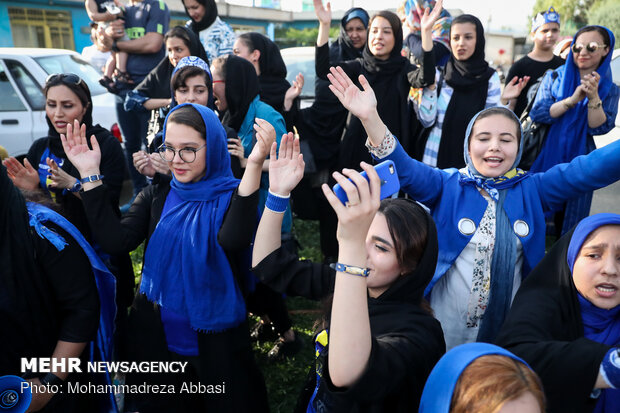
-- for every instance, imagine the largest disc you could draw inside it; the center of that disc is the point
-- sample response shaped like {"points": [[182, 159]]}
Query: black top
{"points": [[526, 66], [47, 295], [544, 327], [391, 89], [224, 357], [407, 340]]}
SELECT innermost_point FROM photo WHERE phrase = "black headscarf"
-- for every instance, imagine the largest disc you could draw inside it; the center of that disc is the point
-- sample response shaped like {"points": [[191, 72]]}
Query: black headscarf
{"points": [[156, 85], [28, 326], [396, 61], [241, 89], [470, 81], [272, 79], [207, 19], [342, 49], [544, 327]]}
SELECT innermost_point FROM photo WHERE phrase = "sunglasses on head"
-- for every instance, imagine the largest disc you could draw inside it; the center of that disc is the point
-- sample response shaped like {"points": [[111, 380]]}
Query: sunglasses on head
{"points": [[68, 78], [590, 47]]}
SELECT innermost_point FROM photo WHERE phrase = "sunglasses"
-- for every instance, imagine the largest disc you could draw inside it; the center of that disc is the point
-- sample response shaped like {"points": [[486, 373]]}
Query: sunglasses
{"points": [[590, 47], [69, 78]]}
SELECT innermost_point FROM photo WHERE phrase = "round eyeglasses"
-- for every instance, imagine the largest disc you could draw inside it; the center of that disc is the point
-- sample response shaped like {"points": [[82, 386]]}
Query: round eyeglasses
{"points": [[187, 155], [590, 47]]}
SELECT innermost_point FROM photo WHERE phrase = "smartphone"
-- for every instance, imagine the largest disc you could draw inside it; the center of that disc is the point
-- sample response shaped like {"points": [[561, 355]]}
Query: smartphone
{"points": [[113, 8], [389, 181]]}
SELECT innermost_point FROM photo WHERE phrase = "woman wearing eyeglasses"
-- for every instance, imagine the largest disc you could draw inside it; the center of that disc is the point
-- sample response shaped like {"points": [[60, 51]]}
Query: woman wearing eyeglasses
{"points": [[190, 305], [579, 100]]}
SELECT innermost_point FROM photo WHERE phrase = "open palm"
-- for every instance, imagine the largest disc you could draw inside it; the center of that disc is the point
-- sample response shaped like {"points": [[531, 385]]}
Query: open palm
{"points": [[286, 171], [427, 17], [360, 103], [86, 160], [324, 14]]}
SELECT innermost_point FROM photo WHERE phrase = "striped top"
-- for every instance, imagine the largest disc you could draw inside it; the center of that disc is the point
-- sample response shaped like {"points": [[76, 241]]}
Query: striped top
{"points": [[432, 110]]}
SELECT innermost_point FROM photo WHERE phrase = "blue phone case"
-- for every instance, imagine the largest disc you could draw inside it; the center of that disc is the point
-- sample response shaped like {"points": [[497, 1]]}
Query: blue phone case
{"points": [[389, 181]]}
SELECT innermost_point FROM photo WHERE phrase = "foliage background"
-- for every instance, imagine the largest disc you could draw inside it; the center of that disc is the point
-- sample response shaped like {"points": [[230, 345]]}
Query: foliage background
{"points": [[575, 14]]}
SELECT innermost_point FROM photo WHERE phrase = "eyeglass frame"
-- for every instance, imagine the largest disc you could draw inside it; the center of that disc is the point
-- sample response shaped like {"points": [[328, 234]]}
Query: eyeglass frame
{"points": [[64, 76], [588, 47], [163, 148]]}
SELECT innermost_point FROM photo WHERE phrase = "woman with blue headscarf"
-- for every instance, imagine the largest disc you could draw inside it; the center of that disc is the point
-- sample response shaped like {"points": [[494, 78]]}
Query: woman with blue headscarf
{"points": [[190, 305], [565, 320], [482, 378], [578, 100], [490, 214]]}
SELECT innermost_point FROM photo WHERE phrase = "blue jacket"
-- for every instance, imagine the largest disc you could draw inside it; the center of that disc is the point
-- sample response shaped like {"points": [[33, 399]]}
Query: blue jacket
{"points": [[526, 202]]}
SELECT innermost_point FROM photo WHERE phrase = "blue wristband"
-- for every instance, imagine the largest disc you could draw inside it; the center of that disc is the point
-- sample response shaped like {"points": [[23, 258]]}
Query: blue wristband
{"points": [[611, 368], [350, 269], [276, 203]]}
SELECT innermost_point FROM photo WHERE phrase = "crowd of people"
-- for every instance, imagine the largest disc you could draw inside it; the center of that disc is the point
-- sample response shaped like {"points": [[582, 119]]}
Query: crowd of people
{"points": [[438, 299]]}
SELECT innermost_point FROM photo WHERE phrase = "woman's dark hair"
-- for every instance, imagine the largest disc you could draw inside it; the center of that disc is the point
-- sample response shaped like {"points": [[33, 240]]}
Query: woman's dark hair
{"points": [[246, 39], [600, 30], [408, 227], [502, 111], [179, 32], [189, 116], [180, 77]]}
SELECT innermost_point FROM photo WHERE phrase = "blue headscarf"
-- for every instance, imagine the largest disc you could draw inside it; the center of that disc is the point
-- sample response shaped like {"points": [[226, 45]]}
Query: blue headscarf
{"points": [[505, 249], [566, 138], [185, 268], [196, 62], [440, 385], [101, 349], [600, 325]]}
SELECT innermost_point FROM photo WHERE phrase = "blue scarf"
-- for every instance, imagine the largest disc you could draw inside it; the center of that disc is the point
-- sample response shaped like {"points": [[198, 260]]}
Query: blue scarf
{"points": [[505, 249], [566, 138], [196, 62], [102, 347], [600, 325], [185, 268], [439, 387]]}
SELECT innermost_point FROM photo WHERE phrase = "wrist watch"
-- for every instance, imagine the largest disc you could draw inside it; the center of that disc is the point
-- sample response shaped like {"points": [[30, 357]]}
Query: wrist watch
{"points": [[115, 47], [50, 379], [76, 186], [91, 178], [595, 105]]}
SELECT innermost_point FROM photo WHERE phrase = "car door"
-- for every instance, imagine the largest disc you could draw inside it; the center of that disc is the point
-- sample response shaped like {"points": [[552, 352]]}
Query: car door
{"points": [[16, 120]]}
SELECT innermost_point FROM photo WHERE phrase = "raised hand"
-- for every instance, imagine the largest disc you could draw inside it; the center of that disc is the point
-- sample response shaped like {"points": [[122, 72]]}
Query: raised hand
{"points": [[578, 95], [429, 18], [265, 136], [355, 218], [324, 14], [59, 178], [142, 163], [85, 160], [287, 169], [361, 103], [293, 92], [513, 89], [23, 176]]}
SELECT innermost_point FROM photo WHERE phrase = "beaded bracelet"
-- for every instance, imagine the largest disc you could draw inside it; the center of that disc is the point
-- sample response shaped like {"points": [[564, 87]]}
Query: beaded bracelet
{"points": [[277, 203]]}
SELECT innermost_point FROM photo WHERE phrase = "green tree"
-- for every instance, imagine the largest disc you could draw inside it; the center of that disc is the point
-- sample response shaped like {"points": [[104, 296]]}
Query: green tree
{"points": [[573, 13], [291, 37], [606, 13]]}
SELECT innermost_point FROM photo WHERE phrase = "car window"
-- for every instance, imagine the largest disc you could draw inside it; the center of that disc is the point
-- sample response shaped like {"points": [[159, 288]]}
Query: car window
{"points": [[26, 84], [10, 101], [305, 65], [69, 63]]}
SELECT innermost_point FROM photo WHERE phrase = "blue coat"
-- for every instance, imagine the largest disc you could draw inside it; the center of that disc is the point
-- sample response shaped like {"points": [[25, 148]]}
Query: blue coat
{"points": [[526, 202]]}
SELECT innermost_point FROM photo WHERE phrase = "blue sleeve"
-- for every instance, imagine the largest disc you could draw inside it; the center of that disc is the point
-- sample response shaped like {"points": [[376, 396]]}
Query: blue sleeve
{"points": [[543, 102], [422, 182], [159, 18], [134, 100], [583, 174], [610, 106]]}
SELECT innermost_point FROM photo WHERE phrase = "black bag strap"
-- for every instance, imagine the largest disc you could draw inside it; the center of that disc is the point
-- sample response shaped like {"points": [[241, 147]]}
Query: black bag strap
{"points": [[530, 103]]}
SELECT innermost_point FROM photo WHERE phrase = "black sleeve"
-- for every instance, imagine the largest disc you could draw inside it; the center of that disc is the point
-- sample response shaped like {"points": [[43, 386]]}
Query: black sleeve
{"points": [[73, 284], [512, 72], [240, 221], [322, 64], [113, 168], [115, 235], [285, 273], [35, 152], [423, 75]]}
